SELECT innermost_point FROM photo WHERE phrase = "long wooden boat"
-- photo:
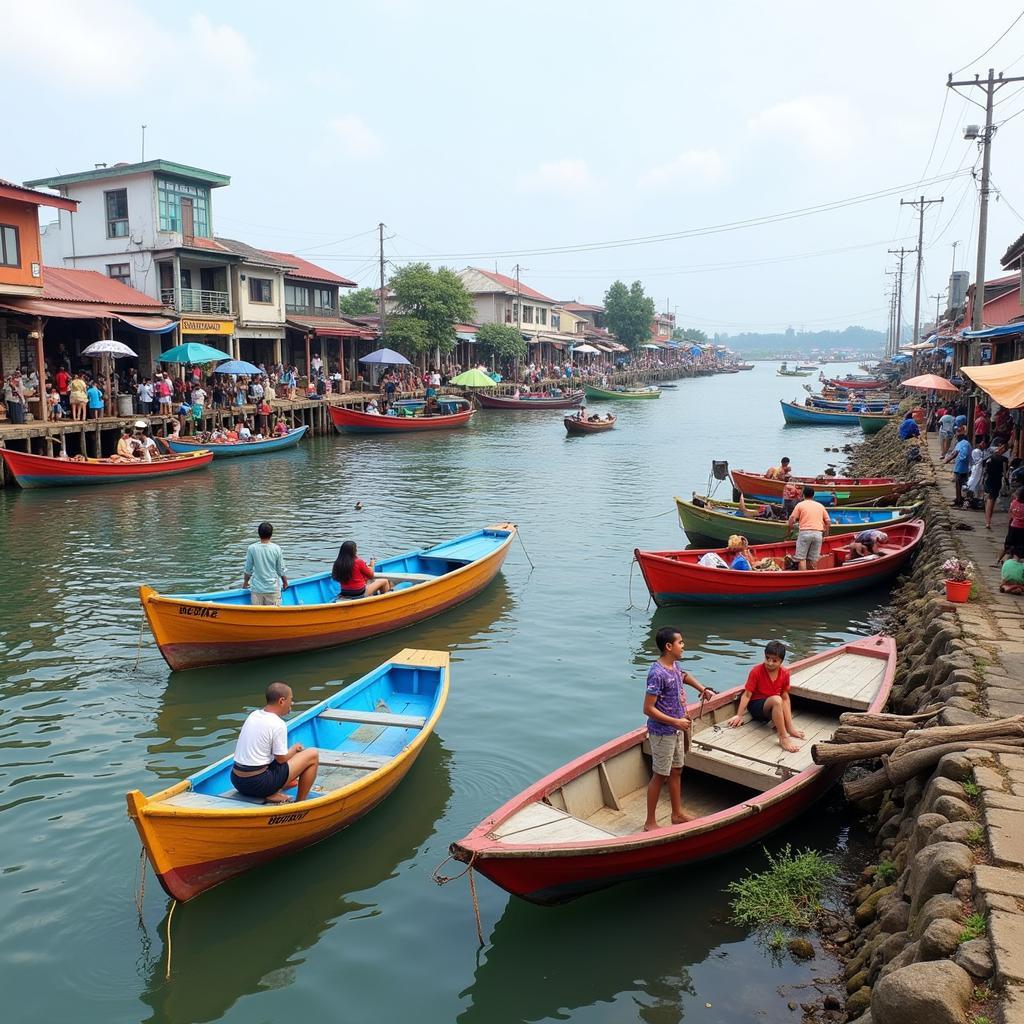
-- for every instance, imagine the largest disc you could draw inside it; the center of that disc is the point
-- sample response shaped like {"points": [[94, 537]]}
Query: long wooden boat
{"points": [[808, 415], [193, 630], [579, 829], [744, 366], [839, 490], [850, 404], [574, 425], [232, 449], [201, 831], [529, 403], [707, 520], [603, 394], [857, 384], [32, 471], [785, 371], [872, 423], [676, 577], [352, 421]]}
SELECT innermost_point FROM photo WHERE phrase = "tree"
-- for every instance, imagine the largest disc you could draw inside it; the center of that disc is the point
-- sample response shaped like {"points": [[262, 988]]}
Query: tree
{"points": [[502, 341], [407, 335], [436, 299], [361, 302], [690, 334], [628, 313]]}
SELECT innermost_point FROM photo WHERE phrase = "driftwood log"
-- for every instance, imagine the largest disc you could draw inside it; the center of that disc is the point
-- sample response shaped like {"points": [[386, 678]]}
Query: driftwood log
{"points": [[856, 734], [895, 723], [848, 753]]}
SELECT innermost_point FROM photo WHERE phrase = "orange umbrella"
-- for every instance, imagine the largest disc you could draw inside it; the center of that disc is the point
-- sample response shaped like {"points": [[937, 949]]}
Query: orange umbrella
{"points": [[929, 382]]}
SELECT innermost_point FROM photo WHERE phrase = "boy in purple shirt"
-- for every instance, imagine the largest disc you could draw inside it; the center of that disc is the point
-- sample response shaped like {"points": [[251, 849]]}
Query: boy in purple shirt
{"points": [[667, 723]]}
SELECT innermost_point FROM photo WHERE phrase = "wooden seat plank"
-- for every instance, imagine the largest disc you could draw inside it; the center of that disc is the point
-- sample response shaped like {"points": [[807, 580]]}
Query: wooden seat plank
{"points": [[347, 759], [565, 830], [529, 817], [381, 718]]}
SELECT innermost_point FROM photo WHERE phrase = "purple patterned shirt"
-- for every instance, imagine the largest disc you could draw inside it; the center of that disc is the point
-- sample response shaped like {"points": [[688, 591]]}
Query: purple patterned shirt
{"points": [[667, 685]]}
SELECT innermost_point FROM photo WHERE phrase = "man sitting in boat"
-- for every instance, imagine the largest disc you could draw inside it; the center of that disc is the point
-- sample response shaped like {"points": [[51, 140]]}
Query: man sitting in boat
{"points": [[264, 763], [779, 472], [766, 693]]}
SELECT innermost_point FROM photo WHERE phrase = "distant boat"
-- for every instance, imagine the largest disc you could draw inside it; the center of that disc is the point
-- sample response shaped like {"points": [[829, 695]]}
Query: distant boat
{"points": [[574, 425], [352, 421], [838, 490], [804, 415], [34, 471], [233, 449], [744, 366], [528, 402], [808, 366], [784, 371], [602, 394]]}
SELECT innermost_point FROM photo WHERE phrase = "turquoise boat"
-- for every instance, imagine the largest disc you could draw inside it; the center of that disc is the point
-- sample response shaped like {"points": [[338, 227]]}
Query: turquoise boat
{"points": [[231, 449], [805, 415]]}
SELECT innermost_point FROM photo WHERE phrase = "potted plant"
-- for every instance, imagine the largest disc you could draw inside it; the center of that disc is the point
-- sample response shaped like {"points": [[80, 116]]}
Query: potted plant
{"points": [[958, 575]]}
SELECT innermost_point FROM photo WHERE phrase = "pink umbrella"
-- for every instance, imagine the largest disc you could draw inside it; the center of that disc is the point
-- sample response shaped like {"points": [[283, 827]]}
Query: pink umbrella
{"points": [[929, 382]]}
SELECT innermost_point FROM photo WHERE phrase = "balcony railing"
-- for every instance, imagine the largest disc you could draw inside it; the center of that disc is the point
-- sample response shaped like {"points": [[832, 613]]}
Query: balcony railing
{"points": [[294, 310], [196, 300]]}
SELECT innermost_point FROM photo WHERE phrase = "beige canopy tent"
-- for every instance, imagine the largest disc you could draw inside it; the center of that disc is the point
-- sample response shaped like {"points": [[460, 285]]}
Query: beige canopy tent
{"points": [[1004, 382]]}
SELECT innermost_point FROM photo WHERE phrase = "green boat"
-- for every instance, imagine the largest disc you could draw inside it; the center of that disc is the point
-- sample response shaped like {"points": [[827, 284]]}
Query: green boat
{"points": [[711, 522], [603, 394], [872, 423]]}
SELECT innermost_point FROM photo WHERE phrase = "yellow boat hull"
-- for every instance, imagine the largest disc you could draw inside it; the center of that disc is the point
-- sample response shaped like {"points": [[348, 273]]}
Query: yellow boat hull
{"points": [[191, 634], [193, 849]]}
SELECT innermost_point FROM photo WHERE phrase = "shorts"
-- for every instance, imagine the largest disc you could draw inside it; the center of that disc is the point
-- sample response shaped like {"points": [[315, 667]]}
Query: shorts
{"points": [[1014, 538], [808, 545], [992, 490], [267, 783], [262, 599], [757, 711], [961, 478], [666, 752], [350, 595]]}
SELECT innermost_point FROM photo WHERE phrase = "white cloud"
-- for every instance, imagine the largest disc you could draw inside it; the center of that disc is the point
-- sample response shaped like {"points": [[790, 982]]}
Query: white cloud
{"points": [[693, 168], [569, 176], [354, 136], [825, 127], [221, 44]]}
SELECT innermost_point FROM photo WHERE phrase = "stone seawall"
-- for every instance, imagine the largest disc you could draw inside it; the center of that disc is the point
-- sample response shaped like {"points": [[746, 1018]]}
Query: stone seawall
{"points": [[940, 927]]}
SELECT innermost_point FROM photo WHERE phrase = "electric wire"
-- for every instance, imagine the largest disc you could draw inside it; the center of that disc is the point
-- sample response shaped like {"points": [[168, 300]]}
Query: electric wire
{"points": [[993, 46]]}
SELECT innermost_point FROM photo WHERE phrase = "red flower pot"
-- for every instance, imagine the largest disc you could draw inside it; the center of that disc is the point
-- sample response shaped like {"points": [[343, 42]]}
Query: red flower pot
{"points": [[958, 591]]}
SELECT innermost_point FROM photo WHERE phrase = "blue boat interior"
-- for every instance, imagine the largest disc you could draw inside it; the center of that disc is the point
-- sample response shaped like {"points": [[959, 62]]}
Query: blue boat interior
{"points": [[422, 566], [842, 514], [358, 730]]}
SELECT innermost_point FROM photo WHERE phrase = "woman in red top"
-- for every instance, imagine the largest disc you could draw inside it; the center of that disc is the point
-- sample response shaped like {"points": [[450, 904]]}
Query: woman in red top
{"points": [[767, 694], [355, 577]]}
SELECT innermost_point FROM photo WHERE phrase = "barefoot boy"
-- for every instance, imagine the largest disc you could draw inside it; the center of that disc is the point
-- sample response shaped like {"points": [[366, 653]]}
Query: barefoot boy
{"points": [[665, 708], [767, 695]]}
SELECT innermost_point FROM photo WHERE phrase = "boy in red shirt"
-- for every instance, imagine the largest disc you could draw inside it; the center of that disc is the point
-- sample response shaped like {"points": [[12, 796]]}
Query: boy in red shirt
{"points": [[767, 695]]}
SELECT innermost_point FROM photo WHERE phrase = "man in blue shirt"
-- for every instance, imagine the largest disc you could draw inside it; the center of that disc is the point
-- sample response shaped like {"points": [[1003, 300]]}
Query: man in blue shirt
{"points": [[909, 428], [265, 572], [961, 452]]}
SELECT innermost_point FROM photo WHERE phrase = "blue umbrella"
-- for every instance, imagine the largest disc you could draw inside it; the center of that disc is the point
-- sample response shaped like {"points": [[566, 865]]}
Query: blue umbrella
{"points": [[386, 355], [193, 352], [237, 367]]}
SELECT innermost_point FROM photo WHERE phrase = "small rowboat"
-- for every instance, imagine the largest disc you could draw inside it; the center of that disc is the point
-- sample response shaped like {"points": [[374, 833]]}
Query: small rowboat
{"points": [[201, 831], [33, 471], [785, 371], [230, 449], [529, 403], [603, 394], [857, 384], [808, 415], [839, 490], [574, 425], [744, 366], [842, 404], [579, 829], [193, 630], [352, 421], [675, 577], [710, 522], [872, 423]]}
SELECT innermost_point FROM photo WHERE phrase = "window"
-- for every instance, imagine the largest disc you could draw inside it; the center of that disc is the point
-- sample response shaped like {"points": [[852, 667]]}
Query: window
{"points": [[556, 321], [527, 314], [261, 289], [10, 254], [120, 272], [542, 316], [323, 298], [169, 195], [295, 295], [117, 213]]}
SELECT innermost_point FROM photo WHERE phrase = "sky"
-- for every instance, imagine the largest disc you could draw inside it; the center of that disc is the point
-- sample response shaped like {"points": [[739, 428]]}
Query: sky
{"points": [[564, 136]]}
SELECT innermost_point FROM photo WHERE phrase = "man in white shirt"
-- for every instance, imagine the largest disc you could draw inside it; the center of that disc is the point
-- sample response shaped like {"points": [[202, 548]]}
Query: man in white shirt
{"points": [[264, 763]]}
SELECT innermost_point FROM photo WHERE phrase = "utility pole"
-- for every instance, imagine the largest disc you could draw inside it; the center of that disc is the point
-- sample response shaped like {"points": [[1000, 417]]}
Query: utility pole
{"points": [[143, 143], [919, 205], [519, 316], [938, 299], [380, 231], [991, 86], [901, 254]]}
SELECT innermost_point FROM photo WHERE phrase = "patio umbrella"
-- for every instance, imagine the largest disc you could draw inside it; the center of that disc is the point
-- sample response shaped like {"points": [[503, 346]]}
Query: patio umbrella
{"points": [[650, 346], [929, 382], [388, 356], [585, 348], [472, 379], [193, 352], [105, 349], [237, 367]]}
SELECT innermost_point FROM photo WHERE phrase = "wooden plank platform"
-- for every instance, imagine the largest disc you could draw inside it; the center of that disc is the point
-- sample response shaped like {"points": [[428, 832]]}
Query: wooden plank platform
{"points": [[846, 681], [380, 718]]}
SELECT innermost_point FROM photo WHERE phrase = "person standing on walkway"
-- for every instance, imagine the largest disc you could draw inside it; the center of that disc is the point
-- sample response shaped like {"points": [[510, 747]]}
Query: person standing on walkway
{"points": [[961, 453], [992, 474], [946, 421], [62, 381], [264, 567], [95, 399], [813, 526]]}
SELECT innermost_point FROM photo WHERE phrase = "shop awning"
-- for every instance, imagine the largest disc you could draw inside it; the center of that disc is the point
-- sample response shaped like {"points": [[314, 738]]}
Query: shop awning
{"points": [[996, 332], [52, 309], [466, 336], [150, 324], [329, 327], [1003, 381]]}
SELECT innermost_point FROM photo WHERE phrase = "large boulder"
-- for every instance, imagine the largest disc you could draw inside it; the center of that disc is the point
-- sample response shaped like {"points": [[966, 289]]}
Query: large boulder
{"points": [[936, 869], [954, 808], [975, 957], [936, 992], [942, 905], [940, 939]]}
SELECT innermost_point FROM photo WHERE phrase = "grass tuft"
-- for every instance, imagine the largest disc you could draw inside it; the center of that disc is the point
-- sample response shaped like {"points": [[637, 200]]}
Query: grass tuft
{"points": [[976, 836], [788, 893], [974, 928], [886, 872], [971, 789]]}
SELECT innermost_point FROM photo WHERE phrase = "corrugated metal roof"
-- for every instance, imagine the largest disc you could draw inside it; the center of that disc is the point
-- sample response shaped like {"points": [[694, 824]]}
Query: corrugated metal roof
{"points": [[63, 285], [9, 190], [310, 271], [250, 254], [212, 178], [509, 285]]}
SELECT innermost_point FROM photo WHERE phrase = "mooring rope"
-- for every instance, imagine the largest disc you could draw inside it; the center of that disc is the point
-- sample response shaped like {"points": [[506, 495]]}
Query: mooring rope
{"points": [[468, 870], [167, 976], [140, 892], [525, 552], [138, 646]]}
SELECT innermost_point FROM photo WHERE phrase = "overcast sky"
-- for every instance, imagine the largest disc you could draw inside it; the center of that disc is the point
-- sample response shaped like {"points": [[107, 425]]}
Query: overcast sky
{"points": [[481, 133]]}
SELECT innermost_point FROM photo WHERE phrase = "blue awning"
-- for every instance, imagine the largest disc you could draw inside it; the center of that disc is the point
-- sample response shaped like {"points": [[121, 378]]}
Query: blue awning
{"points": [[696, 350], [902, 358], [996, 332]]}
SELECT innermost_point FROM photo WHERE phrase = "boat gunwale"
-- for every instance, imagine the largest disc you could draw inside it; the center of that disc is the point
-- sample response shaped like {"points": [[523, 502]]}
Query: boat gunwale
{"points": [[194, 446]]}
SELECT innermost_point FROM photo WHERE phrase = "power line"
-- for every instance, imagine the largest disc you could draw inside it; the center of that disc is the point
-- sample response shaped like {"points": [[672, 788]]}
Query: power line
{"points": [[992, 47]]}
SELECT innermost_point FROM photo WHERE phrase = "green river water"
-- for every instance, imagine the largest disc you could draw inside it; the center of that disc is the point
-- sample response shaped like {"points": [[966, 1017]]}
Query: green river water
{"points": [[547, 663]]}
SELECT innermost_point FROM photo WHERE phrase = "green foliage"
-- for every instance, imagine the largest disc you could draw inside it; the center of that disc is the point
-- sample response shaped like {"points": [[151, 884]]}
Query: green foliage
{"points": [[976, 836], [971, 790], [361, 302], [789, 893], [503, 341], [886, 872], [981, 1018], [628, 313], [690, 334], [974, 927], [777, 939], [407, 335], [435, 298]]}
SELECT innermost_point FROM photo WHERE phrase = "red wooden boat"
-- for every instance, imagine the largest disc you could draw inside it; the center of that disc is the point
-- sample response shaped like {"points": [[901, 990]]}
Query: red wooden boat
{"points": [[33, 471], [675, 577], [856, 384], [352, 421], [579, 829], [831, 490], [574, 425], [528, 403]]}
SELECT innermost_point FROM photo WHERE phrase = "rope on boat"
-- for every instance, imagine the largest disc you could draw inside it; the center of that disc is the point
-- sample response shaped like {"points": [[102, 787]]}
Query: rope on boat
{"points": [[138, 646], [445, 879], [525, 552], [140, 892], [629, 595], [167, 976]]}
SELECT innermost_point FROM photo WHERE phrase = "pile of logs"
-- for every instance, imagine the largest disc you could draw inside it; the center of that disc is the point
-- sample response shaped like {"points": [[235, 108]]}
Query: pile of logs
{"points": [[908, 745]]}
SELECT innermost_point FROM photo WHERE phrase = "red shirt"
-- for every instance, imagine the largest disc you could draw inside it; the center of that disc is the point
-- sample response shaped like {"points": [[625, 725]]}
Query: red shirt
{"points": [[62, 381], [760, 685], [361, 573]]}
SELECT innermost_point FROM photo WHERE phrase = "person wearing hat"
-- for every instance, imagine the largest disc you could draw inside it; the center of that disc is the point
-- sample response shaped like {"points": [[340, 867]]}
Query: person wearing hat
{"points": [[737, 553], [371, 408], [148, 449]]}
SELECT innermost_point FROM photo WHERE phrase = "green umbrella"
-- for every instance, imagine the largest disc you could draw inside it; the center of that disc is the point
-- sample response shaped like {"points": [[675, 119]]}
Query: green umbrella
{"points": [[473, 379], [193, 352]]}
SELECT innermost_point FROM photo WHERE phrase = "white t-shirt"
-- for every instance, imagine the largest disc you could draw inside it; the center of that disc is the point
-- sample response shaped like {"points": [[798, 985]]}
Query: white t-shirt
{"points": [[262, 738]]}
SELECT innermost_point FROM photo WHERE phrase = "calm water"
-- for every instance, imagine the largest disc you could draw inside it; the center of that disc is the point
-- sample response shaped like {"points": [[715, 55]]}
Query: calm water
{"points": [[546, 664]]}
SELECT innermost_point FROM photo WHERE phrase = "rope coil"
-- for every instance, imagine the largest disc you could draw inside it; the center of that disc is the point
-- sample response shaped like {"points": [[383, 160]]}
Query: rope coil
{"points": [[468, 870]]}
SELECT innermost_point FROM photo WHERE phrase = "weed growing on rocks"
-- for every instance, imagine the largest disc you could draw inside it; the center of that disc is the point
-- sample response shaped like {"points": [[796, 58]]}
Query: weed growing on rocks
{"points": [[887, 872], [974, 927], [788, 893]]}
